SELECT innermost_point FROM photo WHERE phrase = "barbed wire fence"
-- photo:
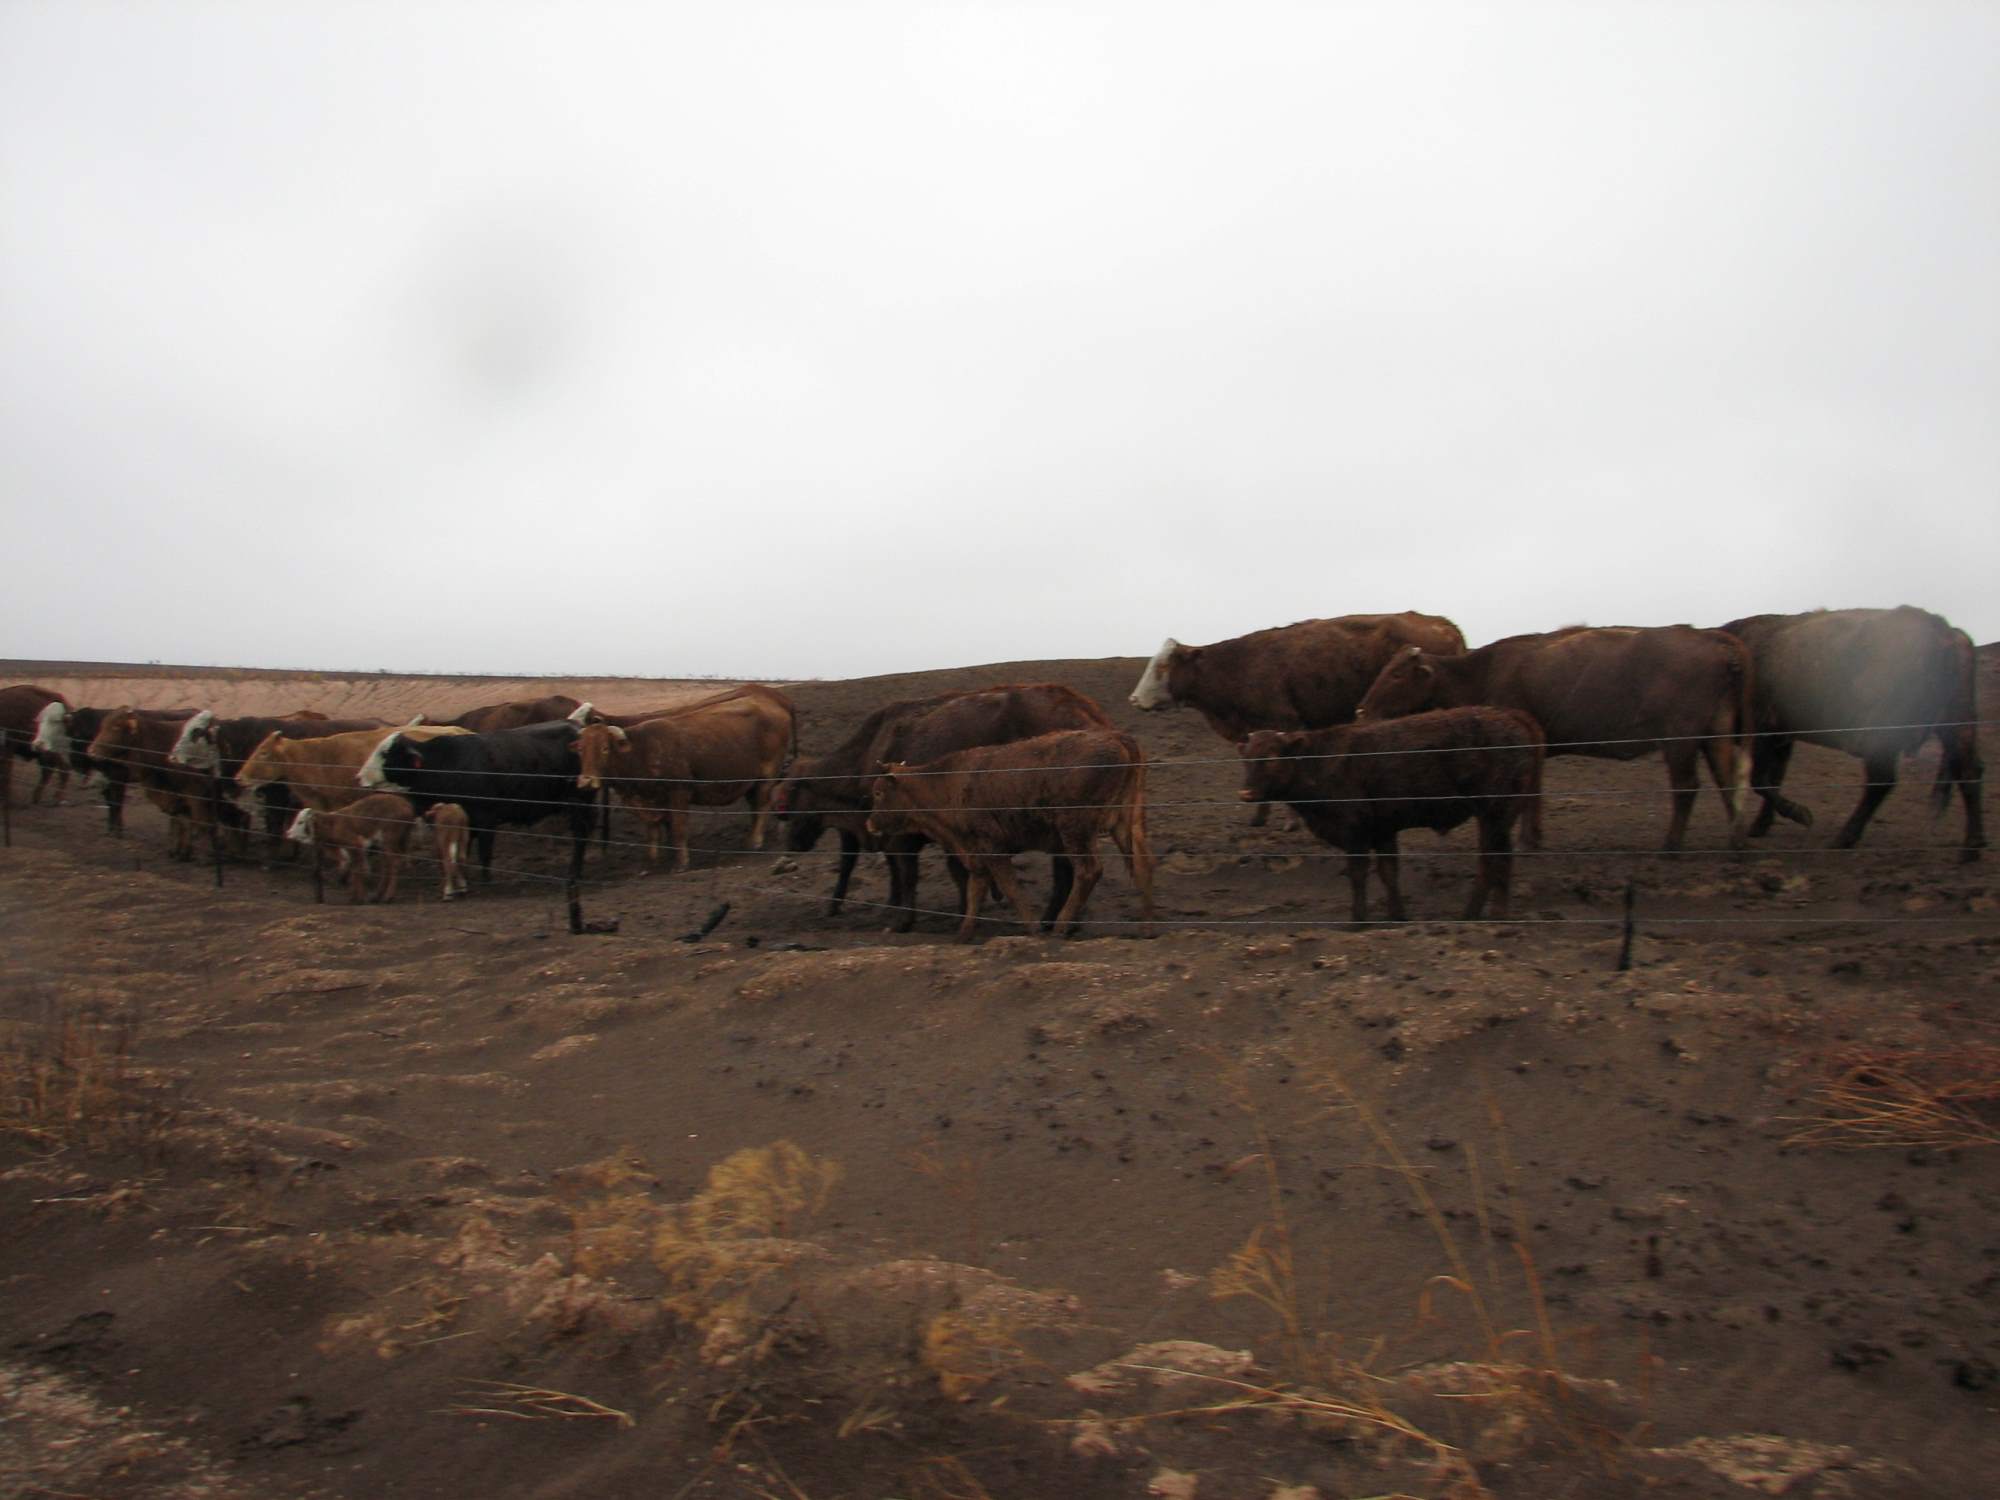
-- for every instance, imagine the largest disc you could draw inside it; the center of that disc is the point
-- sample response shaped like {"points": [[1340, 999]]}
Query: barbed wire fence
{"points": [[220, 794]]}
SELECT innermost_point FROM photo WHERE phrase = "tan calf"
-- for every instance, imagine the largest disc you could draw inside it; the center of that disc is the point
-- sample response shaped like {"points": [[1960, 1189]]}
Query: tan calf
{"points": [[452, 831], [379, 822]]}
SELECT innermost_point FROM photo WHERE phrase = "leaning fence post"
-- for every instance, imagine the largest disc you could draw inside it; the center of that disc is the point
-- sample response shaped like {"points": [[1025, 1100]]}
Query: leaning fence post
{"points": [[1625, 948], [575, 895], [215, 822]]}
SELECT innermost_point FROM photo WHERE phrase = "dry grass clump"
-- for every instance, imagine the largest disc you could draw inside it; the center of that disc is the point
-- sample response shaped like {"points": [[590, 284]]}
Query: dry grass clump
{"points": [[733, 1233], [68, 1079], [1514, 1376], [1906, 1097]]}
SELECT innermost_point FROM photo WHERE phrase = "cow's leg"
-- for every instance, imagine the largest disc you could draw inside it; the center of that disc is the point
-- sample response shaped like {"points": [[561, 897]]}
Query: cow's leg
{"points": [[1879, 772], [1961, 766], [902, 857], [1261, 816], [850, 854], [357, 873], [1729, 768], [114, 808], [1357, 880], [1496, 864], [677, 831], [1062, 877], [760, 799], [975, 888], [482, 837], [1769, 760], [1683, 775], [1089, 870], [392, 866], [1389, 870], [1000, 870]]}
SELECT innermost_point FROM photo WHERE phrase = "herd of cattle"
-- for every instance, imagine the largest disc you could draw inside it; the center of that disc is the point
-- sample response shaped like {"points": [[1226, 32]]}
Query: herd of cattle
{"points": [[1365, 725]]}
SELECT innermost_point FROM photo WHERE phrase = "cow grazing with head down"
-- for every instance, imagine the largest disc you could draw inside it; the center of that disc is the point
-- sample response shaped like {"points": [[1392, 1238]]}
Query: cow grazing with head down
{"points": [[1056, 793], [728, 749], [67, 733], [831, 791], [21, 709], [1311, 675], [1615, 693], [1875, 683], [505, 778], [1358, 786], [378, 824], [516, 713], [319, 773]]}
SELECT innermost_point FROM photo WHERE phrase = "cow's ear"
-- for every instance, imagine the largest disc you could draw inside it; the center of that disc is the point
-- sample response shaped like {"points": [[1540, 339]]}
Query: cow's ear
{"points": [[416, 759], [1425, 669]]}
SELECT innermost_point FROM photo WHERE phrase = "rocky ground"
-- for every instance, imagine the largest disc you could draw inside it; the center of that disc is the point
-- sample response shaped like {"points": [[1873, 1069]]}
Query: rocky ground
{"points": [[439, 1200]]}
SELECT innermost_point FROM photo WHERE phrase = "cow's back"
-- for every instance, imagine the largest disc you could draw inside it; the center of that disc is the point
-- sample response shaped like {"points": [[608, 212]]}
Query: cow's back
{"points": [[988, 716], [1895, 672], [1619, 690], [1313, 674]]}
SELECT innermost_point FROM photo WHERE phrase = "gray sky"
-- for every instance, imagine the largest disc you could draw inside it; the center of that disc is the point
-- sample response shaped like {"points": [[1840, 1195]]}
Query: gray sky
{"points": [[832, 339]]}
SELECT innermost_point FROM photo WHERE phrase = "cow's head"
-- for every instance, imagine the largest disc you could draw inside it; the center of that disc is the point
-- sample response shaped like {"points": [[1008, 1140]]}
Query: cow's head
{"points": [[262, 766], [596, 745], [52, 729], [889, 800], [115, 736], [392, 754], [1156, 683], [196, 747], [1267, 757], [1407, 684]]}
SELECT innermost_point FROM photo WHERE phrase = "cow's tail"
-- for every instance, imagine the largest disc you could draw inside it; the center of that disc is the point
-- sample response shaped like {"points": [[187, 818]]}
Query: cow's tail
{"points": [[1743, 672], [1134, 845]]}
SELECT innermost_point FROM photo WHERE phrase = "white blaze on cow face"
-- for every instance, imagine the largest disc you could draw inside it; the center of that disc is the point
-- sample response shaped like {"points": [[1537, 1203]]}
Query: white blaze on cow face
{"points": [[1152, 689], [582, 712], [52, 730], [374, 773], [301, 831], [196, 748]]}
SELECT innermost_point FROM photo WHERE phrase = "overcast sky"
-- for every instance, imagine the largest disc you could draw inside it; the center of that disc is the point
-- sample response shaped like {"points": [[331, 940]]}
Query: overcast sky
{"points": [[828, 339]]}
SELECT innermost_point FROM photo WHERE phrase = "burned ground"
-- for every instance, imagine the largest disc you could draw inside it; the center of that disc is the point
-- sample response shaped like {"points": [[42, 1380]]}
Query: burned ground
{"points": [[441, 1200]]}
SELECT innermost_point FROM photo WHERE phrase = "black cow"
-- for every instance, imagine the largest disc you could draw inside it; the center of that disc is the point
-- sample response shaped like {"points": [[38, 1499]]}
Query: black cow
{"points": [[1359, 785], [506, 778]]}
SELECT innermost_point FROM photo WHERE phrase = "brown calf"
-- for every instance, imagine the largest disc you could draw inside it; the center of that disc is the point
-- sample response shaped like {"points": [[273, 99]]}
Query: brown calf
{"points": [[1615, 693], [731, 751], [319, 773], [1056, 793], [1358, 786]]}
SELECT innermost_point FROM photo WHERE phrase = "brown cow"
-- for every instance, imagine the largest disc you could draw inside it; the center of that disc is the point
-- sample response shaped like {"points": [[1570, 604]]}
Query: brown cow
{"points": [[1360, 785], [1875, 683], [1057, 793], [1615, 693], [1310, 675], [515, 713], [380, 823], [319, 773], [20, 719], [67, 732], [590, 713], [831, 790], [728, 750], [137, 748]]}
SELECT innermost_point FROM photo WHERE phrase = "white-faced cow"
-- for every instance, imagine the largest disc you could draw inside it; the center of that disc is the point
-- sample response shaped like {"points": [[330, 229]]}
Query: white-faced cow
{"points": [[1615, 693], [1311, 675], [1875, 683]]}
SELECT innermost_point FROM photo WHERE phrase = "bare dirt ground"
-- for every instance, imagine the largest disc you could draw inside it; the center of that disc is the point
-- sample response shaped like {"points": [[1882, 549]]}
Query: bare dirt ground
{"points": [[439, 1200]]}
